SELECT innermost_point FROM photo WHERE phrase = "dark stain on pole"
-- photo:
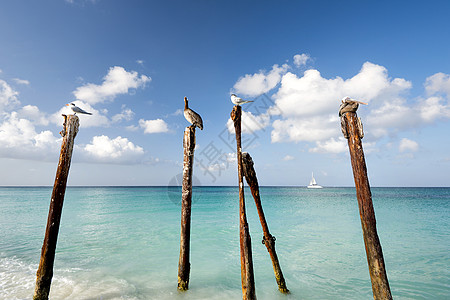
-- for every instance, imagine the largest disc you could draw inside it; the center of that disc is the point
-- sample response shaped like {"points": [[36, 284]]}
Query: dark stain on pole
{"points": [[247, 276], [352, 129], [268, 239], [184, 265], [45, 271]]}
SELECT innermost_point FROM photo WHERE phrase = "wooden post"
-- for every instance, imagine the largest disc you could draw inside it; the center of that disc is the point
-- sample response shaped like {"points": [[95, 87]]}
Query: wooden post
{"points": [[247, 276], [352, 129], [184, 265], [45, 271], [268, 239]]}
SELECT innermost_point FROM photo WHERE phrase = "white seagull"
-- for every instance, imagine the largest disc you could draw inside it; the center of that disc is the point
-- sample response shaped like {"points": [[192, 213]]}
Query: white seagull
{"points": [[76, 109], [238, 101]]}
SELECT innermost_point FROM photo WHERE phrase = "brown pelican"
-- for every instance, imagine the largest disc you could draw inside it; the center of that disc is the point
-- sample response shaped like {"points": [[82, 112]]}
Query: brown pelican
{"points": [[76, 109], [192, 117], [238, 101]]}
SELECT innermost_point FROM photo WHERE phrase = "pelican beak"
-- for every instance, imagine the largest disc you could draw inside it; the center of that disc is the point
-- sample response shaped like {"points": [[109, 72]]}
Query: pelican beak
{"points": [[67, 104]]}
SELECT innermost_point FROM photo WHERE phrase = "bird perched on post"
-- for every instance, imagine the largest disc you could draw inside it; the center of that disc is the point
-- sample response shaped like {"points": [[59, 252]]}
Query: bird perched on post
{"points": [[191, 116], [76, 109], [349, 100], [238, 101]]}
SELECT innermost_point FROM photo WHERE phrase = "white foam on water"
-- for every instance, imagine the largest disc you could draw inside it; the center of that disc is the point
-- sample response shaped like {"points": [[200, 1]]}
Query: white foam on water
{"points": [[17, 281]]}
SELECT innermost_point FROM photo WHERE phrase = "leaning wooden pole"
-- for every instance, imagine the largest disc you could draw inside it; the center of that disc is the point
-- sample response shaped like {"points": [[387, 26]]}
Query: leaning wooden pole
{"points": [[184, 265], [352, 129], [45, 270], [268, 239], [247, 276]]}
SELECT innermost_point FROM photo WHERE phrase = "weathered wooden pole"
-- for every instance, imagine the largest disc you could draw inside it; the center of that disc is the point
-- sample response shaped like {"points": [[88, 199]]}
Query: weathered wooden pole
{"points": [[184, 265], [247, 276], [352, 130], [268, 239], [45, 271]]}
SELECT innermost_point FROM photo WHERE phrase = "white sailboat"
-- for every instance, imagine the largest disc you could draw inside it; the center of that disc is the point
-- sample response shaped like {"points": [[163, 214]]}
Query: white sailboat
{"points": [[313, 184]]}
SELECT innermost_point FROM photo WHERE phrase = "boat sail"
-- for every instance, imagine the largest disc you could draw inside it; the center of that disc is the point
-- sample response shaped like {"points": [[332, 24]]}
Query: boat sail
{"points": [[313, 184]]}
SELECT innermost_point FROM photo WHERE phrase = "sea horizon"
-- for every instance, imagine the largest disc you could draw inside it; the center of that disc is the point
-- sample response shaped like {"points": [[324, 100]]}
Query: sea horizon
{"points": [[246, 186]]}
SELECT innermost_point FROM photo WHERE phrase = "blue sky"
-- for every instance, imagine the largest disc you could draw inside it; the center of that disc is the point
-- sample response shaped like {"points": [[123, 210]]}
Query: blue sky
{"points": [[132, 62]]}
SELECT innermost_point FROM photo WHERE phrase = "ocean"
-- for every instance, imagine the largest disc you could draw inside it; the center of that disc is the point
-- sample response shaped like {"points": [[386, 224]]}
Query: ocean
{"points": [[123, 242]]}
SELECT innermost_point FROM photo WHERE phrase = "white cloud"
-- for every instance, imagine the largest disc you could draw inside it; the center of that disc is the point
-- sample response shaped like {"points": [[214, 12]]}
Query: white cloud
{"points": [[132, 128], [117, 81], [97, 119], [331, 145], [301, 59], [153, 126], [309, 105], [305, 107], [221, 164], [178, 112], [8, 96], [438, 83], [288, 158], [250, 123], [408, 145], [315, 128], [140, 62], [433, 108], [125, 115], [259, 83], [21, 81], [118, 150], [19, 139], [32, 112]]}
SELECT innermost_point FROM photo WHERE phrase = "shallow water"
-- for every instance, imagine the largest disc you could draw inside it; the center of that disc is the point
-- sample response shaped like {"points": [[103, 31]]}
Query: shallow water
{"points": [[123, 243]]}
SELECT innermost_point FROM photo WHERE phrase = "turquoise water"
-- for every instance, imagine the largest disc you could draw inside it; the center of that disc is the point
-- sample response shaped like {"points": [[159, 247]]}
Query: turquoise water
{"points": [[123, 243]]}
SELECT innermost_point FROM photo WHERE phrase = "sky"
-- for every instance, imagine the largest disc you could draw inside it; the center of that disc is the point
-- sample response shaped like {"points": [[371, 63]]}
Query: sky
{"points": [[131, 63]]}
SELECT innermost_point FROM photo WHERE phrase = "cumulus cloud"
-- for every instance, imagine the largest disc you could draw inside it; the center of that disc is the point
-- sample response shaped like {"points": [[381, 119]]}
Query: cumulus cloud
{"points": [[117, 150], [8, 96], [32, 113], [438, 83], [261, 82], [125, 115], [308, 106], [117, 81], [331, 145], [407, 145], [19, 139], [153, 126], [301, 59]]}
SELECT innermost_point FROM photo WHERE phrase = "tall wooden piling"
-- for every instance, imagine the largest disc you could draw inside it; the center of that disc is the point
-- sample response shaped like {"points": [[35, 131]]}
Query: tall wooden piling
{"points": [[184, 265], [45, 271], [268, 239], [247, 276], [352, 129]]}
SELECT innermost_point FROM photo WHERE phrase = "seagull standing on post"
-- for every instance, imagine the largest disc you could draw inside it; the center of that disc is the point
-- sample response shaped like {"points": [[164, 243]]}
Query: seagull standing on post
{"points": [[191, 116], [76, 109], [238, 101]]}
